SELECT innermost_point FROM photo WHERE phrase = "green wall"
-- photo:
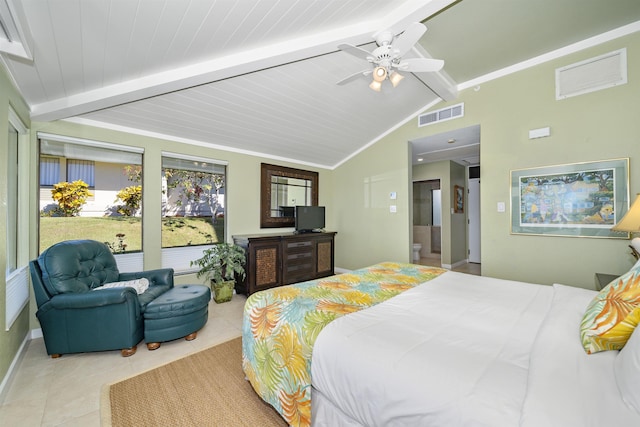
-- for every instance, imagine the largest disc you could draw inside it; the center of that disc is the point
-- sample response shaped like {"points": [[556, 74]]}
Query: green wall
{"points": [[595, 126], [11, 340], [367, 231]]}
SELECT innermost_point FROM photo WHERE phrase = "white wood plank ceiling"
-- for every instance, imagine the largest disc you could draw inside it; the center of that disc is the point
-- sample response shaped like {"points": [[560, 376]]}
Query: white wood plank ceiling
{"points": [[259, 76]]}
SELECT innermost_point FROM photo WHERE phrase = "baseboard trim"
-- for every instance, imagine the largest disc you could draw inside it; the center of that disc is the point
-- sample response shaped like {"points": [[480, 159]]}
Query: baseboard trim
{"points": [[455, 264], [6, 381]]}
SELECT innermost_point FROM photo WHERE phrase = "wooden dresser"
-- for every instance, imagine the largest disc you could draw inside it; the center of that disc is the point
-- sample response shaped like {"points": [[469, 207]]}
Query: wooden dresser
{"points": [[283, 259]]}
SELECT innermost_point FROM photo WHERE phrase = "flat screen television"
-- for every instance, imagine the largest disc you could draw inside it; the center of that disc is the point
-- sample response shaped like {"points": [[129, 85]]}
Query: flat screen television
{"points": [[309, 219]]}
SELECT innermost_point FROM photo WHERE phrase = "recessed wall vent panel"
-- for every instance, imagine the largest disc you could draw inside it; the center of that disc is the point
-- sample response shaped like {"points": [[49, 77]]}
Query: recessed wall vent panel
{"points": [[601, 72], [444, 114]]}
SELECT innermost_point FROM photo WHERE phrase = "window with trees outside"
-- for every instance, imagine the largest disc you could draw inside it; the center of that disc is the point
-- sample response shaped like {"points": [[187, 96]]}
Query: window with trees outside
{"points": [[193, 207], [90, 190]]}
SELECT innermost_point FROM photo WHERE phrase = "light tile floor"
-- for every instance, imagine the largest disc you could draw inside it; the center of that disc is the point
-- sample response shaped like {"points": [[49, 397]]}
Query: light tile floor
{"points": [[66, 391], [435, 261]]}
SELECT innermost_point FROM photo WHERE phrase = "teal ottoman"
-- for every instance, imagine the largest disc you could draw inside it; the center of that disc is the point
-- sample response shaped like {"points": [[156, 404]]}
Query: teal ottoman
{"points": [[180, 312]]}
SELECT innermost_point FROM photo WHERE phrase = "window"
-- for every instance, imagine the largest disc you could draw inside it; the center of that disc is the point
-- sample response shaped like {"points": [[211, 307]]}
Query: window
{"points": [[49, 171], [90, 190], [193, 207], [81, 170], [17, 224], [12, 201]]}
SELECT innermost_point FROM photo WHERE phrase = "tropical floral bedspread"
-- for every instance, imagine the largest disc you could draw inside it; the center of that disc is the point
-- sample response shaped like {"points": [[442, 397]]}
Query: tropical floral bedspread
{"points": [[281, 325]]}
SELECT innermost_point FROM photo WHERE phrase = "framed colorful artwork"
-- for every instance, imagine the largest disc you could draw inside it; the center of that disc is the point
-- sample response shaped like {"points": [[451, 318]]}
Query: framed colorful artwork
{"points": [[458, 199], [577, 200]]}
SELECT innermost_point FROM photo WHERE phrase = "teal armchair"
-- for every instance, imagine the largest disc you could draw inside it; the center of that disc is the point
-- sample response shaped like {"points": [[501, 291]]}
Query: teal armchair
{"points": [[77, 318]]}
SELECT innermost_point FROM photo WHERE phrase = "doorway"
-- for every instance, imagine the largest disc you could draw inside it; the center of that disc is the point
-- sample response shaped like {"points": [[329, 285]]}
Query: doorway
{"points": [[473, 230], [439, 156], [436, 227], [427, 217]]}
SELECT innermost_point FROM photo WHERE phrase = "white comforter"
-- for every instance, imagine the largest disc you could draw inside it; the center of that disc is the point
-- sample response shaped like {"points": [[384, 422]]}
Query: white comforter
{"points": [[456, 352], [567, 387]]}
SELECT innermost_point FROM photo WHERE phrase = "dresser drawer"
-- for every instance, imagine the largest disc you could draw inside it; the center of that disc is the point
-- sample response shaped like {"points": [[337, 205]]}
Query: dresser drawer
{"points": [[295, 256], [300, 245], [299, 272]]}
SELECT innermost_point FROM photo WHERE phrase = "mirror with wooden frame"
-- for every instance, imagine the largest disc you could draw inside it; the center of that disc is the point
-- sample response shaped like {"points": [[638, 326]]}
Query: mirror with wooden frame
{"points": [[281, 190]]}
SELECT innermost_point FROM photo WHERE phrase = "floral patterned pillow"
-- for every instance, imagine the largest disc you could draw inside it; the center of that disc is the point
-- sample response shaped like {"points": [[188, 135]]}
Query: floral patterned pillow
{"points": [[613, 314]]}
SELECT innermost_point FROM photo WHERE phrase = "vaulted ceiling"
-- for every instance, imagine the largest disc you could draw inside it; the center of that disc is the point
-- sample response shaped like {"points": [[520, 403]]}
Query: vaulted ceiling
{"points": [[260, 76]]}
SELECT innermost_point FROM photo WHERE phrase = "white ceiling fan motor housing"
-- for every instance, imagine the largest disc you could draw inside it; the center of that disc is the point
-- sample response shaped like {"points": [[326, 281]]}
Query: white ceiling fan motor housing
{"points": [[384, 38]]}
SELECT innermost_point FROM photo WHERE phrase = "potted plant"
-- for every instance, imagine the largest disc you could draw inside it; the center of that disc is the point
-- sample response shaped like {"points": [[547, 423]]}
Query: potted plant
{"points": [[221, 264]]}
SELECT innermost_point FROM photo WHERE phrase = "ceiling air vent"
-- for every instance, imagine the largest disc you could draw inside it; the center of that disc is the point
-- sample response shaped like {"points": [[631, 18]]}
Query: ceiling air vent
{"points": [[441, 115], [594, 74]]}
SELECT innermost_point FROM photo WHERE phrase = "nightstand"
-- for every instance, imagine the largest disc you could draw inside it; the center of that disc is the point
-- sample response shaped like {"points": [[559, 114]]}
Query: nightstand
{"points": [[603, 279]]}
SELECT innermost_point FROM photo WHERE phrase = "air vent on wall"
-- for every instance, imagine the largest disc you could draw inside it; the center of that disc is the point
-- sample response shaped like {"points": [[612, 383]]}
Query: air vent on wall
{"points": [[594, 74], [441, 115]]}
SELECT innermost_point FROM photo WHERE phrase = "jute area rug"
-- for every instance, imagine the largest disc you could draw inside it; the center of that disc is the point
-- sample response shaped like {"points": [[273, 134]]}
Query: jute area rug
{"points": [[207, 388]]}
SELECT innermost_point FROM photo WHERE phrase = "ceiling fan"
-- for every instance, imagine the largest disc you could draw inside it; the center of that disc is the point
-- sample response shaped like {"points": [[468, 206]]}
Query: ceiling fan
{"points": [[387, 57]]}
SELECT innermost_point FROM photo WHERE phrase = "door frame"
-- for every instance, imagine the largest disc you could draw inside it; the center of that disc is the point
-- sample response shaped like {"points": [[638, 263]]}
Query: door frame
{"points": [[474, 240]]}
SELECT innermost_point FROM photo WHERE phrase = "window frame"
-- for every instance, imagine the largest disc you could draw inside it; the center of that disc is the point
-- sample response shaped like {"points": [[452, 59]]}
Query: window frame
{"points": [[17, 282], [128, 261], [13, 183]]}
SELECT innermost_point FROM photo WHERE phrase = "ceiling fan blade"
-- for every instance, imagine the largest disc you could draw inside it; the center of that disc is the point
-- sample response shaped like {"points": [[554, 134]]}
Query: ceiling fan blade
{"points": [[355, 51], [356, 76], [408, 38], [420, 65]]}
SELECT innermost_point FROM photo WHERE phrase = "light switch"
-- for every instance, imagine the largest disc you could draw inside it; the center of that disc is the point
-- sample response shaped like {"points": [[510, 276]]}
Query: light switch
{"points": [[392, 195], [393, 209], [501, 207]]}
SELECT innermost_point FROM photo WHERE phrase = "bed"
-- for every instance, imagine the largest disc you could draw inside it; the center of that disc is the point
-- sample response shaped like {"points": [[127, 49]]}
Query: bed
{"points": [[400, 344]]}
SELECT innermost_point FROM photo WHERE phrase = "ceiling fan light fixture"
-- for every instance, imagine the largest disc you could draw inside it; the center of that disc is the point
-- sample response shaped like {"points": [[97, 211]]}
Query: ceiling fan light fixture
{"points": [[395, 78], [379, 74], [386, 59]]}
